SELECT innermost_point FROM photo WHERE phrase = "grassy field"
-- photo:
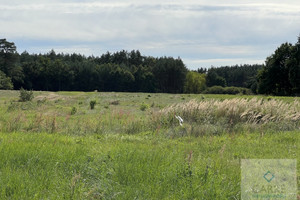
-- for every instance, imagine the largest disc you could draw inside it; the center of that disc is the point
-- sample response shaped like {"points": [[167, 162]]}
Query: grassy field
{"points": [[130, 146]]}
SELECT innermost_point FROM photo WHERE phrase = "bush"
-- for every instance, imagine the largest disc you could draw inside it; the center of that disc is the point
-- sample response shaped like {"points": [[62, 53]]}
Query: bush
{"points": [[73, 111], [25, 95], [144, 107], [214, 90], [232, 90], [227, 90], [92, 104]]}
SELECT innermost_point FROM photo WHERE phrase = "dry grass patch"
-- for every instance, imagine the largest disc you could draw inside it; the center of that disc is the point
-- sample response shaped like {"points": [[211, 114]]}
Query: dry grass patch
{"points": [[233, 111]]}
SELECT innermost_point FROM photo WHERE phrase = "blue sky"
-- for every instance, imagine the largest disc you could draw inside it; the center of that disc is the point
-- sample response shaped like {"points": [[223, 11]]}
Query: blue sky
{"points": [[202, 33]]}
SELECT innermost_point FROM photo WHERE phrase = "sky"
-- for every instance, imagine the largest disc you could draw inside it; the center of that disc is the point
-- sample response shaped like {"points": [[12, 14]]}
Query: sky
{"points": [[203, 33]]}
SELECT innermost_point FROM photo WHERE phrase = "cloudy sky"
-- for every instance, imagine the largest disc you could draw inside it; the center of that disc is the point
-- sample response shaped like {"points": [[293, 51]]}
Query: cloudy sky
{"points": [[203, 33]]}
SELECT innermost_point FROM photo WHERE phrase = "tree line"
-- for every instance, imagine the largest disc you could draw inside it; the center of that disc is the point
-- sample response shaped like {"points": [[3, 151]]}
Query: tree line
{"points": [[121, 72], [126, 71], [233, 76]]}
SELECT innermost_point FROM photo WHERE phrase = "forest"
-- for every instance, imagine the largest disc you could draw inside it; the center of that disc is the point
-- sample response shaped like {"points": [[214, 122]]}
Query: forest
{"points": [[130, 71]]}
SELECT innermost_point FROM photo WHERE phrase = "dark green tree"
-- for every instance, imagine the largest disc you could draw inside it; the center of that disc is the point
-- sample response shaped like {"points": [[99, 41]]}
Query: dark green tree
{"points": [[8, 56], [5, 82], [144, 80], [237, 76], [293, 66], [213, 79], [274, 78], [170, 74], [8, 62]]}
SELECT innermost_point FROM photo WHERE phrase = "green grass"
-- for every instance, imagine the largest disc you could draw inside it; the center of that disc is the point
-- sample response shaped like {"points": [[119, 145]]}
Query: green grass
{"points": [[133, 113], [143, 166], [121, 151]]}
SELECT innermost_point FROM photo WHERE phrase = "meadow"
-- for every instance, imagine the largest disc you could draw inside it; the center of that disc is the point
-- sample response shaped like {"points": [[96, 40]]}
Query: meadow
{"points": [[131, 146]]}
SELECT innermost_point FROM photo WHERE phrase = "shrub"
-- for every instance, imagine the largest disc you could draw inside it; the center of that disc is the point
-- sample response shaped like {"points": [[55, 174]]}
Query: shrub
{"points": [[73, 111], [25, 95], [232, 90], [227, 90], [144, 107], [214, 90], [92, 104]]}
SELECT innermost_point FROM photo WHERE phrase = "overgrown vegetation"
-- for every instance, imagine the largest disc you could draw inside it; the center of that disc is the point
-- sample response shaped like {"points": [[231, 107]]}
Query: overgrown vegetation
{"points": [[136, 112], [144, 107], [233, 116], [92, 104], [143, 166], [74, 110], [56, 147], [25, 95]]}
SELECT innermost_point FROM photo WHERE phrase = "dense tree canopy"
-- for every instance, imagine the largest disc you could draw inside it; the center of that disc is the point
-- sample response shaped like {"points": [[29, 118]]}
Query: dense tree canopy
{"points": [[237, 76], [120, 71], [5, 82], [281, 74]]}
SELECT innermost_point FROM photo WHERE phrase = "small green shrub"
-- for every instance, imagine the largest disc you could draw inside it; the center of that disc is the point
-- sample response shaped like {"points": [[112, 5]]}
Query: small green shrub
{"points": [[92, 104], [73, 111], [214, 90], [144, 107], [25, 95], [232, 90]]}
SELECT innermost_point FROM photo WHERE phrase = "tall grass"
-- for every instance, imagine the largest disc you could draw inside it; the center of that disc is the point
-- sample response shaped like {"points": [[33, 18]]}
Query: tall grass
{"points": [[118, 121], [238, 114], [206, 116], [118, 151], [236, 110], [141, 166]]}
